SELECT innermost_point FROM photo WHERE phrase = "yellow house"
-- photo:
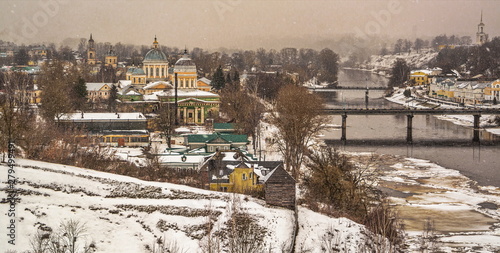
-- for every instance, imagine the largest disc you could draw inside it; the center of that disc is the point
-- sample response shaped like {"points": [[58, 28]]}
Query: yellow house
{"points": [[98, 91], [492, 92], [204, 84], [243, 179], [156, 87], [421, 77], [35, 96]]}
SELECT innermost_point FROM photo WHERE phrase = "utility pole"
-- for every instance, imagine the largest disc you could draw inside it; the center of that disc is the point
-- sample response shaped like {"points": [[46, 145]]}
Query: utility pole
{"points": [[175, 98]]}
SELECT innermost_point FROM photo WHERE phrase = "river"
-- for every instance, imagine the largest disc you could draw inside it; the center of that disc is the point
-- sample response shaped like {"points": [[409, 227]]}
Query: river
{"points": [[439, 141]]}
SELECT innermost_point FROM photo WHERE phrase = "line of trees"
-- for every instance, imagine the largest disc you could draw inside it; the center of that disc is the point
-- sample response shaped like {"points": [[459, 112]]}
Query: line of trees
{"points": [[484, 59]]}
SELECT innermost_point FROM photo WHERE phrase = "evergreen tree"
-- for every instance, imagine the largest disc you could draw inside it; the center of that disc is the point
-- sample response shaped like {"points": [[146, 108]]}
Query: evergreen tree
{"points": [[229, 80], [407, 93], [400, 73], [79, 94], [113, 96], [22, 57], [218, 80], [236, 77]]}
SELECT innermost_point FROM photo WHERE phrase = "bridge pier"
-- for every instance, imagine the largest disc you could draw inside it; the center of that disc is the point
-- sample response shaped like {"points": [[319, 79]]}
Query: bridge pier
{"points": [[344, 127], [366, 98], [409, 128], [475, 138]]}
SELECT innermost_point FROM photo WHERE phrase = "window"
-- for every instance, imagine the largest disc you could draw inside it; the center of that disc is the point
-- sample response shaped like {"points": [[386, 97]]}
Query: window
{"points": [[223, 189], [244, 176]]}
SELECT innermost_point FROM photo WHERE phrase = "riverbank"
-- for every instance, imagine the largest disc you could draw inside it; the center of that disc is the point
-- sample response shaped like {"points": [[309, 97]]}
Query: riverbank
{"points": [[487, 122], [465, 215]]}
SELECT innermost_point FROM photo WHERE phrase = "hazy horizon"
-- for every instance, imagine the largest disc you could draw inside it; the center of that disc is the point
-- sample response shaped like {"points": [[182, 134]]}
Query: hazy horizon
{"points": [[249, 24]]}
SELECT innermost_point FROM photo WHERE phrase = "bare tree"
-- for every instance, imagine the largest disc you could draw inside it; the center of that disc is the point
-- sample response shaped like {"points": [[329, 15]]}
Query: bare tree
{"points": [[244, 234], [297, 116], [15, 112], [55, 89], [166, 121], [70, 238], [243, 107]]}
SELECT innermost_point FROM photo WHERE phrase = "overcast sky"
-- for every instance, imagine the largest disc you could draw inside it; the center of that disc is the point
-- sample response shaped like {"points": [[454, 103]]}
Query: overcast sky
{"points": [[239, 23]]}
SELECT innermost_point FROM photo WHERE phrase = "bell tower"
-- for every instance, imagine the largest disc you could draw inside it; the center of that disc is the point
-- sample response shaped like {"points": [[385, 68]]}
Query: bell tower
{"points": [[481, 36], [91, 56], [111, 58]]}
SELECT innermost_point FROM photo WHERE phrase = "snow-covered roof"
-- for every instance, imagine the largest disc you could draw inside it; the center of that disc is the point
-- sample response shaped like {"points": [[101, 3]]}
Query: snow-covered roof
{"points": [[480, 86], [150, 97], [189, 93], [205, 80], [177, 158], [97, 86], [103, 116], [124, 83], [182, 130], [153, 84], [132, 93], [425, 71]]}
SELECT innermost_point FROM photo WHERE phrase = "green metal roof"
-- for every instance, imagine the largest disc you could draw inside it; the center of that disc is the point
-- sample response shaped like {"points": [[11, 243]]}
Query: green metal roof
{"points": [[197, 138], [224, 126]]}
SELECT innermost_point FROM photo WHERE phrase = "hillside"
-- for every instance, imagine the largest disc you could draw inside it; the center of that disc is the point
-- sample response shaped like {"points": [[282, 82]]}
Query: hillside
{"points": [[383, 63], [124, 214]]}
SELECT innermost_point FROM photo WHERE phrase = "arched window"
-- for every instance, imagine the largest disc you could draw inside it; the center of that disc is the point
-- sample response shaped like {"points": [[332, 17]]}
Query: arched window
{"points": [[157, 71], [151, 72], [162, 71]]}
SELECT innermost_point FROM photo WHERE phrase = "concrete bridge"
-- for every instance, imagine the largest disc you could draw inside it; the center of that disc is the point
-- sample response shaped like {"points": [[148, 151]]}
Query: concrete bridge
{"points": [[410, 112]]}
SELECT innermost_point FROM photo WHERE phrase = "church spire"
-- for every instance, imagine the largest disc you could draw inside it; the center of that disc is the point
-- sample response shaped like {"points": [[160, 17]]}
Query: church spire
{"points": [[155, 43]]}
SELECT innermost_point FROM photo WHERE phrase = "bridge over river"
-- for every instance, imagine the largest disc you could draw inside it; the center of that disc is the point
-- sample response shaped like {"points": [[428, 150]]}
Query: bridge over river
{"points": [[410, 112], [339, 88]]}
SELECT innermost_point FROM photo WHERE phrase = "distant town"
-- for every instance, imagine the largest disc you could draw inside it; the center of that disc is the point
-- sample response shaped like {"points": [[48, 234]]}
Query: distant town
{"points": [[238, 121]]}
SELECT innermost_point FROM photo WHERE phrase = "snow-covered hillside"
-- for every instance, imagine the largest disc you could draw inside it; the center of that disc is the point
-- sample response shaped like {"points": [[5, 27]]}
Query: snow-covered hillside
{"points": [[382, 63], [124, 214]]}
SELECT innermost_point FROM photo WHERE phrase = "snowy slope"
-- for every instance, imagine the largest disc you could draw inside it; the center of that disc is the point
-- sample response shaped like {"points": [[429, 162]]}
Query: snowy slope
{"points": [[415, 60], [124, 214]]}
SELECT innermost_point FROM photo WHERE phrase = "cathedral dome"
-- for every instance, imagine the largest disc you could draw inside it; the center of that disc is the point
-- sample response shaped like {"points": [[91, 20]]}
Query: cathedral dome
{"points": [[155, 55], [185, 63], [136, 71]]}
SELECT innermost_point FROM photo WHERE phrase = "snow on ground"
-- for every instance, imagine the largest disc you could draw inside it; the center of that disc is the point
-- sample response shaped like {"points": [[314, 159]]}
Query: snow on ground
{"points": [[317, 231], [419, 60], [486, 121], [466, 215], [124, 214]]}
